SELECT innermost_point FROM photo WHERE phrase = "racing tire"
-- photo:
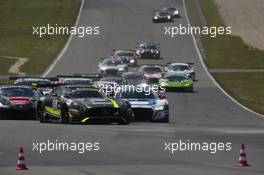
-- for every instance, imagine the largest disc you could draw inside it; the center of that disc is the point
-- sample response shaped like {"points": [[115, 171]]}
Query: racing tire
{"points": [[64, 117], [123, 122], [39, 114]]}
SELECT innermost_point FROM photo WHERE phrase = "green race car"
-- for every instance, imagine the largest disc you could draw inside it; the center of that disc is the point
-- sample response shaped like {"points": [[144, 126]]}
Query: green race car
{"points": [[172, 82]]}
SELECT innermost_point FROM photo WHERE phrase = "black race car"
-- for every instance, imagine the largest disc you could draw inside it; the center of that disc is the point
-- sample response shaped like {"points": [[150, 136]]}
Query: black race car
{"points": [[18, 102], [134, 78], [82, 104], [43, 84], [174, 12], [162, 16], [148, 50]]}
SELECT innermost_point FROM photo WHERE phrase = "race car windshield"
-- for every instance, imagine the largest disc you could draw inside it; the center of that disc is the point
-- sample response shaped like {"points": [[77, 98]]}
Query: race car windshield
{"points": [[138, 95], [152, 69], [134, 77], [150, 47], [180, 67], [85, 94], [18, 92], [164, 13], [169, 8], [175, 78], [112, 62], [77, 82], [125, 54], [31, 82]]}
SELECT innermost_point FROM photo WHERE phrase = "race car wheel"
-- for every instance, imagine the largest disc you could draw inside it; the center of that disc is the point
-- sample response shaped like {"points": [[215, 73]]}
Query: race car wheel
{"points": [[123, 122], [64, 118], [40, 114]]}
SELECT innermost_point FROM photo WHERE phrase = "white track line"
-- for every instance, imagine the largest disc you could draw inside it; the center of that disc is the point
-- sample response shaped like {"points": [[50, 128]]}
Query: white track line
{"points": [[66, 45], [207, 72]]}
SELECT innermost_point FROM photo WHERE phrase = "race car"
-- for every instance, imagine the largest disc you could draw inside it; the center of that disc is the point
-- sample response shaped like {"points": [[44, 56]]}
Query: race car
{"points": [[174, 82], [82, 104], [18, 102], [109, 84], [184, 69], [174, 13], [146, 105], [110, 66], [127, 56], [43, 83], [162, 16], [152, 73], [134, 78], [148, 50]]}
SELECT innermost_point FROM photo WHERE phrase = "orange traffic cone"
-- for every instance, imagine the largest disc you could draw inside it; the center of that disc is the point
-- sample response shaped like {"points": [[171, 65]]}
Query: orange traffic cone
{"points": [[21, 165], [242, 162]]}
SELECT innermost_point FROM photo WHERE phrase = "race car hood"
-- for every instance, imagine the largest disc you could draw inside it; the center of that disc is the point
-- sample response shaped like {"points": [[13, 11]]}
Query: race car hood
{"points": [[113, 67], [95, 102], [141, 103], [152, 75]]}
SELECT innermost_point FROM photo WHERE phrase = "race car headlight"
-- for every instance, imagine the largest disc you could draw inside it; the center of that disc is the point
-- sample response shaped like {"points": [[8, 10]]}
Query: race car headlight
{"points": [[132, 61], [77, 106], [159, 108], [169, 17], [163, 83], [157, 51], [155, 17], [176, 12], [121, 68]]}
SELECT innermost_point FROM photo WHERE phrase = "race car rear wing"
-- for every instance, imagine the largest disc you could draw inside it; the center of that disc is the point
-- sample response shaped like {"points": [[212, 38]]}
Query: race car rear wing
{"points": [[25, 77], [93, 77]]}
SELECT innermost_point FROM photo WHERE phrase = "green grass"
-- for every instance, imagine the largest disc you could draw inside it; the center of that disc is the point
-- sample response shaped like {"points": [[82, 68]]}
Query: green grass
{"points": [[227, 51], [17, 17], [5, 64], [247, 88]]}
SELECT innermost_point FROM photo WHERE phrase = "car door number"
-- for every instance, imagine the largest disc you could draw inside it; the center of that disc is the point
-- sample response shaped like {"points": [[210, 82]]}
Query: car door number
{"points": [[55, 103]]}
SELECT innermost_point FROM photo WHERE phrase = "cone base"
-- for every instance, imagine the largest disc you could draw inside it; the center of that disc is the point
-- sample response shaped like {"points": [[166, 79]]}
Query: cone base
{"points": [[21, 168], [243, 165]]}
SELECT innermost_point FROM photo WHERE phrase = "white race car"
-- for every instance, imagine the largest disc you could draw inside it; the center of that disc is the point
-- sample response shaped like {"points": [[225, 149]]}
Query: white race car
{"points": [[182, 69]]}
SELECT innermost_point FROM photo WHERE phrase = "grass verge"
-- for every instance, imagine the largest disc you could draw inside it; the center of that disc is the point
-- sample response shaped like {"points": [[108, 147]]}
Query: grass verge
{"points": [[227, 51], [17, 19], [247, 88], [231, 52]]}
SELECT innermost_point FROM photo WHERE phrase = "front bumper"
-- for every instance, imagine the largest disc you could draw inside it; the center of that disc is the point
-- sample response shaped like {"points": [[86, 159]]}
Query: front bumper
{"points": [[18, 112], [149, 114], [96, 114]]}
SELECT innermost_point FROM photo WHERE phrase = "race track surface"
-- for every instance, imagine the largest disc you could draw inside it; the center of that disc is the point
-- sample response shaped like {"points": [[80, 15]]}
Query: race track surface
{"points": [[206, 115]]}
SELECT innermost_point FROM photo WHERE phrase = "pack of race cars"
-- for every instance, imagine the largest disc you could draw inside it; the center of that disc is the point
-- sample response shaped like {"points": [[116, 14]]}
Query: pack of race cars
{"points": [[121, 91]]}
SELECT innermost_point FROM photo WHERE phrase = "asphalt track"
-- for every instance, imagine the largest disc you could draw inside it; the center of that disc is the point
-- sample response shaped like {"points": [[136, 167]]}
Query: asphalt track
{"points": [[206, 115]]}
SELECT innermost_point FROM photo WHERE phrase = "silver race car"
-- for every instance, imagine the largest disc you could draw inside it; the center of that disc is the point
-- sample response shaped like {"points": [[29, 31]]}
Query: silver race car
{"points": [[110, 66]]}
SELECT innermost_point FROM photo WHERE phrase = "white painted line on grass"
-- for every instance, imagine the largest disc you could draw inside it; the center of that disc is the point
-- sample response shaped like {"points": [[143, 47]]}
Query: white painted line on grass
{"points": [[15, 68]]}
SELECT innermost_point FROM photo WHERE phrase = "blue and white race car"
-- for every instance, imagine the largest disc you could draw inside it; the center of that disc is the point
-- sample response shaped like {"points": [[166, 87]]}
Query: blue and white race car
{"points": [[146, 105]]}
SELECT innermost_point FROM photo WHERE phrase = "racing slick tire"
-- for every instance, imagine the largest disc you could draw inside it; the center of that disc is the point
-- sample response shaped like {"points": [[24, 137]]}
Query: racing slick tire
{"points": [[40, 114], [189, 89], [64, 117]]}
